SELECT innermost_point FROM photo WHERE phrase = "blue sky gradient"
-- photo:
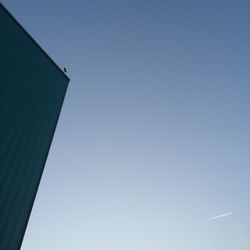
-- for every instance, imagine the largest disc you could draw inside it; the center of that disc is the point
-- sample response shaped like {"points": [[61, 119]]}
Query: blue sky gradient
{"points": [[154, 134]]}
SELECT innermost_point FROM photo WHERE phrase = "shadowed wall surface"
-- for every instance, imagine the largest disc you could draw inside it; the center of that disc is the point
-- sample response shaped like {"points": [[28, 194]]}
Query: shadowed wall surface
{"points": [[32, 89]]}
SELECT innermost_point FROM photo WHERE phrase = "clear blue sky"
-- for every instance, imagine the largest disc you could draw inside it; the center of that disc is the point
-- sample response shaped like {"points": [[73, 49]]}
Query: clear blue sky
{"points": [[154, 134]]}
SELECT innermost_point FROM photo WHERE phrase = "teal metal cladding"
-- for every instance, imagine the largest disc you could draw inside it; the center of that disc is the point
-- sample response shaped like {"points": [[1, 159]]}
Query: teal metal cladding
{"points": [[32, 90]]}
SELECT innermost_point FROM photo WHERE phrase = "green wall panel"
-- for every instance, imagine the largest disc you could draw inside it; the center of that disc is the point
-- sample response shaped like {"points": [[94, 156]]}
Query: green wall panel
{"points": [[32, 89]]}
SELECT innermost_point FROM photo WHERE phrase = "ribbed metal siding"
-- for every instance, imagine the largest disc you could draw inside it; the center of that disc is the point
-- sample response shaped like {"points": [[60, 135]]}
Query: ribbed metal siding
{"points": [[32, 90]]}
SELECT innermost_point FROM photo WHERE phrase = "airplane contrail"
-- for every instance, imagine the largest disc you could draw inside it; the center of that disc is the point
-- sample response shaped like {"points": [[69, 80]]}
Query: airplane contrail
{"points": [[218, 217]]}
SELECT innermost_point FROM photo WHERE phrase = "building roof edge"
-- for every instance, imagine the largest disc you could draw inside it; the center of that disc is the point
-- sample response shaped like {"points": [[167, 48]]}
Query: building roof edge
{"points": [[34, 41]]}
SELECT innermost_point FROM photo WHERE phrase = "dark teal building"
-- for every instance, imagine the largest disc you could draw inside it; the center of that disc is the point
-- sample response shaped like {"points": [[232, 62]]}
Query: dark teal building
{"points": [[32, 90]]}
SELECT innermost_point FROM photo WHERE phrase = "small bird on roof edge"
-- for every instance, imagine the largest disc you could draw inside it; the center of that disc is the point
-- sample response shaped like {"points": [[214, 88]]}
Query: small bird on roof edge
{"points": [[65, 70]]}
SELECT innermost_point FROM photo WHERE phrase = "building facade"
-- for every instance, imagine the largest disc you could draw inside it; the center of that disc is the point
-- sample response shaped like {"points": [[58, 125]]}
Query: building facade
{"points": [[32, 90]]}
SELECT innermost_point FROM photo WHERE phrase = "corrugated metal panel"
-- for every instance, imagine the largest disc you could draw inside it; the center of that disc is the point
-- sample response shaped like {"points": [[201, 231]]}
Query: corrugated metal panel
{"points": [[32, 90]]}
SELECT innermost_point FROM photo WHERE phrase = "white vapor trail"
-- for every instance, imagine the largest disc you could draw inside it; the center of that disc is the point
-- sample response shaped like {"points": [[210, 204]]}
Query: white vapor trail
{"points": [[217, 217]]}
